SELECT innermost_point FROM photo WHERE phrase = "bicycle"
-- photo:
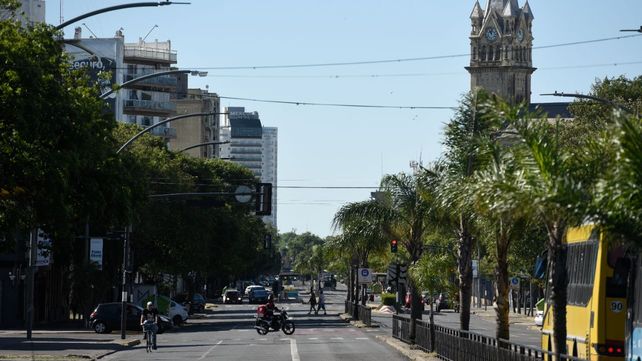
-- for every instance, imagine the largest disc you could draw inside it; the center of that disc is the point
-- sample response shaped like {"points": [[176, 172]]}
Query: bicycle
{"points": [[148, 328]]}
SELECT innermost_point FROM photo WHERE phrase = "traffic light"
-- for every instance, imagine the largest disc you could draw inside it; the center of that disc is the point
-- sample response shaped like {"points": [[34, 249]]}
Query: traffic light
{"points": [[393, 246]]}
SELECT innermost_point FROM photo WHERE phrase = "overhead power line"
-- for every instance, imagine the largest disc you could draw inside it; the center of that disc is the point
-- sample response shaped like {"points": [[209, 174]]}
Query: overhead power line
{"points": [[336, 104], [401, 60]]}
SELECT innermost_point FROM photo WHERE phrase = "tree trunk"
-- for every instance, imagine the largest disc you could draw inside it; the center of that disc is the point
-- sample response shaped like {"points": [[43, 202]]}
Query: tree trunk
{"points": [[432, 327], [559, 281], [465, 269], [502, 289], [415, 308]]}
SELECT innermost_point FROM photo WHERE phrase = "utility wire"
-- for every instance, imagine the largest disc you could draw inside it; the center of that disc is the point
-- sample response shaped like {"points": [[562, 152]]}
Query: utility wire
{"points": [[400, 60], [336, 104]]}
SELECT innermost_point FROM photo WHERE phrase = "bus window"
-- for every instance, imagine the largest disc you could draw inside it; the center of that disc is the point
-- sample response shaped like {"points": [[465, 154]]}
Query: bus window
{"points": [[616, 285]]}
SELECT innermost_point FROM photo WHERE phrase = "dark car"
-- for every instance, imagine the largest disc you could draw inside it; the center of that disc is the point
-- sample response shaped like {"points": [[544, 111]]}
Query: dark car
{"points": [[106, 317], [258, 295], [232, 296], [442, 302], [198, 303]]}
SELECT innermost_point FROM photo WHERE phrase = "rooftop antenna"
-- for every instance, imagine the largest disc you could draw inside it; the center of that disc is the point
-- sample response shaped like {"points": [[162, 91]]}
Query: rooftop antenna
{"points": [[92, 33], [150, 31]]}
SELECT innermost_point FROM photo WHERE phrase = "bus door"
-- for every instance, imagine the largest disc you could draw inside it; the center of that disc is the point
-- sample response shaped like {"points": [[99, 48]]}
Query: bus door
{"points": [[615, 307]]}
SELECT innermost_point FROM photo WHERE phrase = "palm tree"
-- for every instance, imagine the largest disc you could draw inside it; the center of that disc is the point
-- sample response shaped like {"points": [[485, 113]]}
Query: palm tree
{"points": [[550, 189], [493, 192], [400, 214], [464, 155]]}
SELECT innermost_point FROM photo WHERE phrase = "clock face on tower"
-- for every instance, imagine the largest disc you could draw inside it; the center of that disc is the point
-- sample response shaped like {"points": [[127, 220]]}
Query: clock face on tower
{"points": [[520, 35], [491, 34]]}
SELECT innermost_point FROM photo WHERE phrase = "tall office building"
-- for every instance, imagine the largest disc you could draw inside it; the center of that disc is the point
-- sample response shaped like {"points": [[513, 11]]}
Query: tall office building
{"points": [[29, 13], [270, 166], [252, 146], [149, 101]]}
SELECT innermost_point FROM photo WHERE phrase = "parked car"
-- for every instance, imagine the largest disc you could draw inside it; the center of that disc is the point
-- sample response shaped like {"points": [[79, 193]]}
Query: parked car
{"points": [[258, 295], [168, 307], [232, 296], [106, 317]]}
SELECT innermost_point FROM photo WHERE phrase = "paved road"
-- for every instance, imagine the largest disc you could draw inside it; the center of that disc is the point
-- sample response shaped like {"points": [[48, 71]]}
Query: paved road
{"points": [[228, 334]]}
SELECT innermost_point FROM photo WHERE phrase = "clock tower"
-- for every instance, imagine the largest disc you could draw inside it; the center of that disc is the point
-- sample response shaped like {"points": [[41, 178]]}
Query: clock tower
{"points": [[501, 44]]}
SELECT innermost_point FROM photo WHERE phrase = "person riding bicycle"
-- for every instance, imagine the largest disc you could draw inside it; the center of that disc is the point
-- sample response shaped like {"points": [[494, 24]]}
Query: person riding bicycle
{"points": [[270, 307], [150, 314]]}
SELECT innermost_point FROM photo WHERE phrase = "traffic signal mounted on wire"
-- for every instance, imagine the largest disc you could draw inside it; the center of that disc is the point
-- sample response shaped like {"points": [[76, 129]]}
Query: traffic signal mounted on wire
{"points": [[393, 246]]}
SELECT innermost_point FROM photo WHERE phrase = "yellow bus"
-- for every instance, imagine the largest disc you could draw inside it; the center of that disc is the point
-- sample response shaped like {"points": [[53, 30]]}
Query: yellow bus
{"points": [[596, 307]]}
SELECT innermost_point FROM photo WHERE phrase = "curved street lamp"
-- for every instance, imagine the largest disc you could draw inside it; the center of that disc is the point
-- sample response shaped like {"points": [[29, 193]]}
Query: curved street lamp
{"points": [[117, 7], [139, 134], [152, 75], [202, 145], [590, 97]]}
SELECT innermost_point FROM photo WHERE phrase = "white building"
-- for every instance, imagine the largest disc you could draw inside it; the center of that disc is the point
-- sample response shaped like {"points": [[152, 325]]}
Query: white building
{"points": [[252, 146]]}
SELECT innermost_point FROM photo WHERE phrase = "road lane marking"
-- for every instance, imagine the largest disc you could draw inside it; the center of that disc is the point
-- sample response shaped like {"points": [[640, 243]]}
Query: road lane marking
{"points": [[294, 350], [336, 338], [361, 338], [313, 338], [210, 350]]}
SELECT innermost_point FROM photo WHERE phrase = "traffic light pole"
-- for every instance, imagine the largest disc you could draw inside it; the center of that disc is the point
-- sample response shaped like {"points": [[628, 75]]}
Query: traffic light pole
{"points": [[397, 291]]}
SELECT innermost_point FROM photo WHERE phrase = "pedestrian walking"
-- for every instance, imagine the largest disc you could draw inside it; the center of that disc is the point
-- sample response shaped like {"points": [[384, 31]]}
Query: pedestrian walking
{"points": [[313, 303], [321, 303]]}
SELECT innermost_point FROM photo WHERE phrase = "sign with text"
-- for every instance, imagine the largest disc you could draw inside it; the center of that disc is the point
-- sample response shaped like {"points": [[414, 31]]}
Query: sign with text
{"points": [[43, 254], [96, 252]]}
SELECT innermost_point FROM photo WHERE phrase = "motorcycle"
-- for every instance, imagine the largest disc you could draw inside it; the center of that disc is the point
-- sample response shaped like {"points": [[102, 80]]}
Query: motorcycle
{"points": [[279, 322]]}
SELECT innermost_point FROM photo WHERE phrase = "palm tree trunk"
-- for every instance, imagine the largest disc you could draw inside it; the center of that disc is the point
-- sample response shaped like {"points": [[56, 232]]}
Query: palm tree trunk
{"points": [[559, 281], [502, 289], [465, 269]]}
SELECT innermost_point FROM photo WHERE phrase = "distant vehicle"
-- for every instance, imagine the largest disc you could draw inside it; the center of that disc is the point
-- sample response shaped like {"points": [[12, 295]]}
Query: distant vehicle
{"points": [[251, 287], [232, 296], [539, 318], [258, 295], [106, 317], [442, 302], [198, 303]]}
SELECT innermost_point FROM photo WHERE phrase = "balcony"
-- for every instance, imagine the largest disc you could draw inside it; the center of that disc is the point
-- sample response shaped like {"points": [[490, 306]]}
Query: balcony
{"points": [[164, 132], [149, 55], [148, 107], [161, 82]]}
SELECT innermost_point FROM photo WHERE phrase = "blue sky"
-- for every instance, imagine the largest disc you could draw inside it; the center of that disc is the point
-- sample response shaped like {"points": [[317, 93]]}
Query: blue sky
{"points": [[354, 147]]}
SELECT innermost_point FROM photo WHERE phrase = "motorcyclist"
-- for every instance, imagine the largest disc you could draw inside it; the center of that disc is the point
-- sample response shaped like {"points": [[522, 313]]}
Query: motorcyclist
{"points": [[270, 307]]}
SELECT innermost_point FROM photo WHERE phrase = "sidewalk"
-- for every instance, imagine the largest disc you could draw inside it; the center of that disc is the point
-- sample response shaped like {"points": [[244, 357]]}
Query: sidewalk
{"points": [[62, 345]]}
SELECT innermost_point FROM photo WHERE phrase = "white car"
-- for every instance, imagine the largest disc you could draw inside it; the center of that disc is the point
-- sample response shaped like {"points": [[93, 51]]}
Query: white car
{"points": [[177, 313], [539, 318]]}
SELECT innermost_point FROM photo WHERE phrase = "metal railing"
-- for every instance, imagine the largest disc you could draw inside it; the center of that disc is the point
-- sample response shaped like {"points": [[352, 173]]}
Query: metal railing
{"points": [[422, 335], [401, 328], [456, 345], [365, 315]]}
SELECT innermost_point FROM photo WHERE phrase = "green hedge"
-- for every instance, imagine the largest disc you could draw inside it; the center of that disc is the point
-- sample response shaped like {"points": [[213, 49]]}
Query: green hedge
{"points": [[388, 299]]}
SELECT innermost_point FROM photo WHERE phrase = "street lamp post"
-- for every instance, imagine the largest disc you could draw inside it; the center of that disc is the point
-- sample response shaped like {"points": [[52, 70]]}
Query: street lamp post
{"points": [[152, 75], [202, 145], [118, 7], [590, 97]]}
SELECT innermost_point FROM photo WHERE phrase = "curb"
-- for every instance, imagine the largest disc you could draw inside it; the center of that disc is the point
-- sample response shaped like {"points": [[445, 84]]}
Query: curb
{"points": [[407, 350], [358, 324]]}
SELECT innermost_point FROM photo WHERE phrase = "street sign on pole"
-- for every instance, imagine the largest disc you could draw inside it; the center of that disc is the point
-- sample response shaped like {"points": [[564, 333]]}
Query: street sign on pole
{"points": [[514, 283], [365, 275]]}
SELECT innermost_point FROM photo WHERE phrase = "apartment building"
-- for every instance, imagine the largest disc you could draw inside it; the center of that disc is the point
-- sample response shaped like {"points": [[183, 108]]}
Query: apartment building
{"points": [[192, 132]]}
